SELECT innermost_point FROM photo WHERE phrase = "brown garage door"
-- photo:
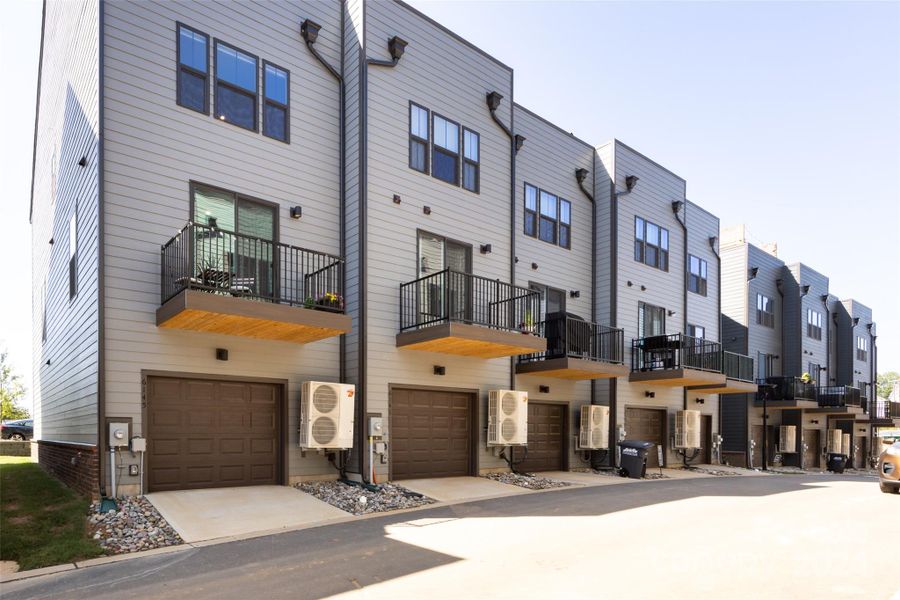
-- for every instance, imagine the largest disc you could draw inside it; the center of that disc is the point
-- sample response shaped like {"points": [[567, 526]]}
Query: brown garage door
{"points": [[203, 433], [646, 424], [811, 449], [431, 433], [546, 447]]}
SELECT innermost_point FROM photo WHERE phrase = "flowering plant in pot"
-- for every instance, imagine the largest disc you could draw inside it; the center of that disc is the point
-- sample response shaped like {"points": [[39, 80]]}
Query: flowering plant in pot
{"points": [[527, 325], [331, 301]]}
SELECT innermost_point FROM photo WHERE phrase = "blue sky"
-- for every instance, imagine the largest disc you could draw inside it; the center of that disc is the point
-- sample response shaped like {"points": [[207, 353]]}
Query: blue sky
{"points": [[783, 116]]}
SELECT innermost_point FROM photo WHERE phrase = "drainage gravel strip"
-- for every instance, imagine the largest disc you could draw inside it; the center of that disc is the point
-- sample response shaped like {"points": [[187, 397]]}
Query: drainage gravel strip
{"points": [[527, 480], [136, 525], [358, 500]]}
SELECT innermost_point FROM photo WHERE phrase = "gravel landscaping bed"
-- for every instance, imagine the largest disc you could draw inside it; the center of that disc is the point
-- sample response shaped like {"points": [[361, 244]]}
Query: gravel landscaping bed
{"points": [[709, 471], [656, 475], [137, 525], [360, 501], [527, 480]]}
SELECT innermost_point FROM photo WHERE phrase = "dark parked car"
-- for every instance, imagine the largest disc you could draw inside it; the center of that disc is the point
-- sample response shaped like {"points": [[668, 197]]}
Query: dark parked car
{"points": [[17, 430]]}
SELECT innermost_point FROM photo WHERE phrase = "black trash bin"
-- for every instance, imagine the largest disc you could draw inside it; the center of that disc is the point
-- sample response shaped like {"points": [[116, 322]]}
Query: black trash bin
{"points": [[634, 458], [836, 462]]}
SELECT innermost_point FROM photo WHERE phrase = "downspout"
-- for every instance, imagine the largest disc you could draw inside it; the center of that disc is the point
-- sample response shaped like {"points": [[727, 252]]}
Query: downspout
{"points": [[779, 285], [101, 263], [713, 245], [873, 375], [676, 208], [493, 100], [828, 377]]}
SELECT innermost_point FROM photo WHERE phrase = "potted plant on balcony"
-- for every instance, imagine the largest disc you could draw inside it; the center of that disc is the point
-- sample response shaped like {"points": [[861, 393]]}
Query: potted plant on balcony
{"points": [[309, 302], [527, 325], [330, 301]]}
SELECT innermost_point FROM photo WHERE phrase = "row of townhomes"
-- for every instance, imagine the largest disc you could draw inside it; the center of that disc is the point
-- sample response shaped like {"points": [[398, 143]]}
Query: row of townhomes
{"points": [[283, 241]]}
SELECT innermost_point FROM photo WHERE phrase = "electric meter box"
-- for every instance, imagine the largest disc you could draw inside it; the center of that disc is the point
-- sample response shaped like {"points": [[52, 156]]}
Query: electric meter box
{"points": [[118, 434]]}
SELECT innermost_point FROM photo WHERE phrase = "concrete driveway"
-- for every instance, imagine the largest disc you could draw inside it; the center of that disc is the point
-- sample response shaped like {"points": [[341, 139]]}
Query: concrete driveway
{"points": [[461, 489], [199, 515]]}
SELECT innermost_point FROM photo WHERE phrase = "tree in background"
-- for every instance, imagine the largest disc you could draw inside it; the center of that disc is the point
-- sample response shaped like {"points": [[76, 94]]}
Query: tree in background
{"points": [[886, 383], [11, 391]]}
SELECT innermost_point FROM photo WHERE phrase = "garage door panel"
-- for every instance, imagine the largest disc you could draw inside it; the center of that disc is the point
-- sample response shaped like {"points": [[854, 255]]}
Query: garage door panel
{"points": [[546, 447], [430, 433], [646, 424], [212, 434]]}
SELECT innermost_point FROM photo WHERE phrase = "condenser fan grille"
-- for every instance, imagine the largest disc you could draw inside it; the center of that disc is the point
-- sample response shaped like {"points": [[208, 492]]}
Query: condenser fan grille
{"points": [[596, 417], [325, 399], [324, 430], [508, 403], [508, 429]]}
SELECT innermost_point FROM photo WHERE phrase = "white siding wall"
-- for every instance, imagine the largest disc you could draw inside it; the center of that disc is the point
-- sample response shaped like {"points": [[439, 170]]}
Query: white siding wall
{"points": [[445, 75], [548, 161], [704, 310], [155, 147], [767, 340], [66, 364]]}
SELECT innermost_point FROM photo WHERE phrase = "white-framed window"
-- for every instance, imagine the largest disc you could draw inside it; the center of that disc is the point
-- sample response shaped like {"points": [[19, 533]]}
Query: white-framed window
{"points": [[697, 276], [862, 348], [765, 311], [651, 244], [813, 324]]}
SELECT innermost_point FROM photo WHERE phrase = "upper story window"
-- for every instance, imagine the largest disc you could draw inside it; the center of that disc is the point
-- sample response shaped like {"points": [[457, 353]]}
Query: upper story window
{"points": [[813, 324], [697, 276], [445, 155], [651, 244], [862, 348], [765, 311], [193, 58], [236, 86], [651, 320], [696, 331], [73, 255], [418, 138], [44, 311], [276, 102], [547, 217], [471, 165], [765, 364]]}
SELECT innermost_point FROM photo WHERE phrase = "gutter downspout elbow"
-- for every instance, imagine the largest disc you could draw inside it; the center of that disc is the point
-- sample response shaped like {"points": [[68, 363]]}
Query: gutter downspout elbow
{"points": [[396, 47]]}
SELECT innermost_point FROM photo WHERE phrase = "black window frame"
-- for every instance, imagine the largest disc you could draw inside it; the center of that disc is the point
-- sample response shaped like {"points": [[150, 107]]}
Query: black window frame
{"points": [[467, 161], [285, 107], [542, 217], [692, 331], [235, 88], [73, 254], [698, 283], [764, 317], [862, 348], [414, 139], [640, 245], [545, 291], [536, 215], [190, 70], [527, 211], [435, 148], [813, 324], [643, 307], [561, 225]]}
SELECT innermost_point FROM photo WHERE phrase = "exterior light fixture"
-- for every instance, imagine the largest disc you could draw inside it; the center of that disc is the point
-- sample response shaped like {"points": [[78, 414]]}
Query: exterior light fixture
{"points": [[700, 400], [485, 248], [574, 293], [643, 288], [671, 313], [309, 29], [426, 210], [440, 370], [296, 212], [628, 283], [221, 354], [83, 161], [534, 266], [631, 181], [397, 199], [648, 394], [544, 389]]}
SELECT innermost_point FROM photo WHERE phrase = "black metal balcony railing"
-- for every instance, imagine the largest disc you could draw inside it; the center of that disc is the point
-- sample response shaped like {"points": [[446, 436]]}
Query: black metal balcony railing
{"points": [[574, 338], [838, 395], [785, 388], [206, 258], [676, 351], [737, 366], [452, 296], [885, 410]]}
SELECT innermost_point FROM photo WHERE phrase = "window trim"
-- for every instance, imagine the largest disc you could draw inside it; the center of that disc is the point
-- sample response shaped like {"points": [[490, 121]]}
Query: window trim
{"points": [[276, 103], [276, 227], [446, 240], [560, 224], [702, 282], [644, 244], [415, 138], [527, 210], [642, 322], [813, 324], [862, 349], [545, 291], [692, 331], [436, 148], [235, 88], [464, 161], [537, 215], [179, 66], [759, 311], [72, 263], [555, 220]]}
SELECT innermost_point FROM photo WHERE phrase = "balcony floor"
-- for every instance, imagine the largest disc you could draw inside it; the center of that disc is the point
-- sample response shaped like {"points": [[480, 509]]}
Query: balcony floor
{"points": [[572, 368], [836, 410], [470, 340], [214, 313], [677, 377], [782, 404], [731, 386]]}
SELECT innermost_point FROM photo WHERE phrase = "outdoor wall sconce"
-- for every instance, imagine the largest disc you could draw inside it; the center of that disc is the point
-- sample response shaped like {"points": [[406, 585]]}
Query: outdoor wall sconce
{"points": [[643, 288], [700, 400], [671, 313], [517, 260], [426, 210], [631, 181], [221, 354], [753, 272], [396, 198], [628, 283], [296, 212], [823, 368], [534, 266], [649, 394], [544, 389], [520, 141], [83, 161], [574, 293], [48, 362], [814, 421], [309, 30], [440, 370], [485, 248], [51, 241]]}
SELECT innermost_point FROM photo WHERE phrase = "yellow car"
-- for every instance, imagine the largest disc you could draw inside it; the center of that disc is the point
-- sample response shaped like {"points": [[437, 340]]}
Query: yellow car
{"points": [[889, 469]]}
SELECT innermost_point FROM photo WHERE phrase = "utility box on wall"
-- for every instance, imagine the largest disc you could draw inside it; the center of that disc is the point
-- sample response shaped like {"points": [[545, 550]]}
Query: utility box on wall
{"points": [[118, 434]]}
